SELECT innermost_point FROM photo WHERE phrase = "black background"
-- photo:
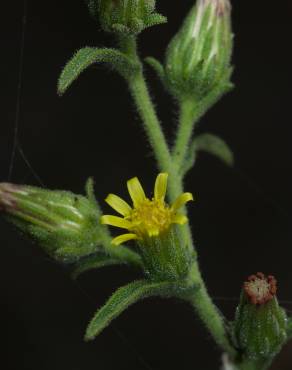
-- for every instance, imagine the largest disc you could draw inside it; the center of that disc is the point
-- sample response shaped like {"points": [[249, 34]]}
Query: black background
{"points": [[241, 220]]}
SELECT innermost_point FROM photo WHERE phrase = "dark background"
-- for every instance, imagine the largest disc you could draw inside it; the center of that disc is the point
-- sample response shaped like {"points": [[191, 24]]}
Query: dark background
{"points": [[241, 220]]}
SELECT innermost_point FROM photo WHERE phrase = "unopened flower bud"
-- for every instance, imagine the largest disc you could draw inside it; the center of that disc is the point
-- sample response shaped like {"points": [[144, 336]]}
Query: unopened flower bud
{"points": [[260, 327], [125, 16], [64, 224], [198, 58]]}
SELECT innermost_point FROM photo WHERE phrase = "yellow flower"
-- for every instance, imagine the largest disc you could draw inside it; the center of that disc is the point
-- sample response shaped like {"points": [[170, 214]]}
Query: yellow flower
{"points": [[148, 217]]}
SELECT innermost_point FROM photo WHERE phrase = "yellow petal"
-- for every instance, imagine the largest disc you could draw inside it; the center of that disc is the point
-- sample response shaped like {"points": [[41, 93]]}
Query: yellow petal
{"points": [[136, 191], [123, 238], [179, 219], [182, 200], [160, 186], [118, 204], [115, 221]]}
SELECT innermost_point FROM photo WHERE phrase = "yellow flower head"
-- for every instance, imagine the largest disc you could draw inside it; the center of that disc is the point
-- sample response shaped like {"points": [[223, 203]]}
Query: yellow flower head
{"points": [[148, 217]]}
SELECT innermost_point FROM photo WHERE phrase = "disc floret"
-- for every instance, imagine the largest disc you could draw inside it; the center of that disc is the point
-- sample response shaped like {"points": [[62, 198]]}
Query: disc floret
{"points": [[260, 326], [260, 289]]}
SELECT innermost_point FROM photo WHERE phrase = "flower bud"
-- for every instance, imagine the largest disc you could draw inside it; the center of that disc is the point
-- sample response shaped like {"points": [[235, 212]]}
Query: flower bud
{"points": [[64, 224], [125, 16], [198, 58], [260, 327]]}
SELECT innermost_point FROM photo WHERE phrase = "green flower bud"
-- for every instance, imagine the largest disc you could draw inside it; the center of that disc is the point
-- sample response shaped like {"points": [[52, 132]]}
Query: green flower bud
{"points": [[125, 16], [198, 58], [64, 224], [260, 327]]}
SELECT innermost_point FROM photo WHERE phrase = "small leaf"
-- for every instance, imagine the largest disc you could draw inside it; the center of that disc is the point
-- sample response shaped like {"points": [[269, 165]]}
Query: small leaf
{"points": [[86, 57], [216, 146], [94, 262], [155, 19], [121, 300], [89, 188], [157, 66], [211, 144]]}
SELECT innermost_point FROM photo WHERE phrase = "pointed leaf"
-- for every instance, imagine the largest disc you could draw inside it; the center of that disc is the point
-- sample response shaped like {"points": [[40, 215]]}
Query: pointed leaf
{"points": [[155, 19], [86, 57], [89, 189], [121, 300], [93, 263], [216, 146], [211, 144], [157, 66]]}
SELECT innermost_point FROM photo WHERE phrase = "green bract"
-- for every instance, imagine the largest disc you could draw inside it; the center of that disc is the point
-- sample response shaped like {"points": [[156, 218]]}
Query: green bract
{"points": [[198, 57], [166, 257], [125, 16]]}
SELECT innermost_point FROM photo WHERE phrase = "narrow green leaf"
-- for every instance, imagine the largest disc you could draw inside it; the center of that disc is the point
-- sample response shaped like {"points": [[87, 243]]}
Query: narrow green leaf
{"points": [[88, 56], [216, 146], [89, 188], [94, 262], [155, 19], [157, 66], [211, 144], [121, 300]]}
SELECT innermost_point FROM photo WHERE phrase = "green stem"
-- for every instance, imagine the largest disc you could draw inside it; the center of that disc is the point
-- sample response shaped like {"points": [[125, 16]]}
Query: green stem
{"points": [[208, 312], [157, 140], [200, 299], [188, 117], [191, 112], [144, 105], [156, 137], [153, 130]]}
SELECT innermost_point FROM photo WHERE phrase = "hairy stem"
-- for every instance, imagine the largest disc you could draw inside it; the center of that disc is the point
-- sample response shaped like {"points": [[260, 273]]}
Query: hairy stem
{"points": [[199, 298], [153, 129], [188, 117], [208, 312], [191, 112], [152, 126]]}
